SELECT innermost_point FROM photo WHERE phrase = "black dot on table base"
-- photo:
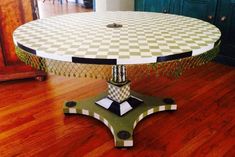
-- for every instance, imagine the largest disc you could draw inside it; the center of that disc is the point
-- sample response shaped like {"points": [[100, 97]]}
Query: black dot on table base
{"points": [[71, 104], [123, 135], [168, 101]]}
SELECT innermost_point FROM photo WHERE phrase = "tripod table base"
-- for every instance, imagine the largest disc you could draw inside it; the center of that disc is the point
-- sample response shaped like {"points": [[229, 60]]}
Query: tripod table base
{"points": [[122, 127]]}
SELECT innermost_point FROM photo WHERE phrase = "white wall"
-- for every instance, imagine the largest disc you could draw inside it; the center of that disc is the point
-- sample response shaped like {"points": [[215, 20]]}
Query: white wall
{"points": [[79, 1], [100, 5], [114, 5]]}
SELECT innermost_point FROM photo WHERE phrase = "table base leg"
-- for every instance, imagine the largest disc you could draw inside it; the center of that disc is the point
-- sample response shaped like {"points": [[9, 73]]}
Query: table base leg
{"points": [[121, 127]]}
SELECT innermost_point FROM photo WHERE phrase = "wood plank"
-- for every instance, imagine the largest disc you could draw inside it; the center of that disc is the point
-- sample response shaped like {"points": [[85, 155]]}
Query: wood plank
{"points": [[32, 122], [2, 64], [203, 124], [19, 71], [13, 13]]}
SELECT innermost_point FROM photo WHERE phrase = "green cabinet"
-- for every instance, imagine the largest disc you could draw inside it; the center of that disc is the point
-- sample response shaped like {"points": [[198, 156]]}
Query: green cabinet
{"points": [[139, 5], [175, 6], [152, 5], [225, 20], [218, 12], [201, 9], [157, 5]]}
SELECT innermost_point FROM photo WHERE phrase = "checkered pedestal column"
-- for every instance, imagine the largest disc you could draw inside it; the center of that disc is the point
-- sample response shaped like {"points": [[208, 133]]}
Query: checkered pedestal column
{"points": [[119, 93], [119, 99]]}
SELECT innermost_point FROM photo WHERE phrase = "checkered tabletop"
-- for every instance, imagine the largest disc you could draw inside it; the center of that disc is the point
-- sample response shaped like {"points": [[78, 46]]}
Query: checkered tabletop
{"points": [[142, 38]]}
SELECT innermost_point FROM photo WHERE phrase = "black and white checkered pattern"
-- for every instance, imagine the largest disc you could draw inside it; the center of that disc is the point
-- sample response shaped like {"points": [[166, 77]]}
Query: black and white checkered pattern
{"points": [[144, 37], [119, 93], [120, 108], [119, 73]]}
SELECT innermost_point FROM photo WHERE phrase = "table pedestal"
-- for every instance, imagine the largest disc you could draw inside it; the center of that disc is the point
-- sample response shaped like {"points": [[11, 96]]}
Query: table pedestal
{"points": [[122, 127], [119, 100]]}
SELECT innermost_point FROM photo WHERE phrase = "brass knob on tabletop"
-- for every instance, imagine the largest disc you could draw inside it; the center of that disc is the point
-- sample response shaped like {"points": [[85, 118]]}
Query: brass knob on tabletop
{"points": [[223, 18]]}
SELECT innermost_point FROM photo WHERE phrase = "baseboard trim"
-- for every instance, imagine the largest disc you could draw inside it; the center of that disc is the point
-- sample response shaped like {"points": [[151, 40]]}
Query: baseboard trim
{"points": [[38, 76]]}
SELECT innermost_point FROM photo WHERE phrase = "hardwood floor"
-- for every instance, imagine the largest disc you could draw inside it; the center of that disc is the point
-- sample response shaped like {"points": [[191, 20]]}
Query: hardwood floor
{"points": [[48, 9], [32, 122]]}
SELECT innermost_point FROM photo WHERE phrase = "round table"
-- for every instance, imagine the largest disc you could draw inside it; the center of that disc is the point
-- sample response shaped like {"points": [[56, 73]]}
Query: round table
{"points": [[110, 44]]}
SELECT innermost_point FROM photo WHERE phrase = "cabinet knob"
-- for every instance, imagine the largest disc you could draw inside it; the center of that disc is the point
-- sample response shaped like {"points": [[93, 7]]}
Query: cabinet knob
{"points": [[164, 11], [210, 17], [223, 18]]}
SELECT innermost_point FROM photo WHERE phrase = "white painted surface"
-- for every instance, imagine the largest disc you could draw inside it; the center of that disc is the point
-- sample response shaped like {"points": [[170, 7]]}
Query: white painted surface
{"points": [[72, 110], [114, 5], [142, 39], [79, 1], [100, 5]]}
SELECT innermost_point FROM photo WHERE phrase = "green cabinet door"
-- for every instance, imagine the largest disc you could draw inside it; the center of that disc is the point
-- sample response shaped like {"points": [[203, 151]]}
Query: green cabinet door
{"points": [[201, 9], [139, 5], [226, 22], [162, 6], [175, 6]]}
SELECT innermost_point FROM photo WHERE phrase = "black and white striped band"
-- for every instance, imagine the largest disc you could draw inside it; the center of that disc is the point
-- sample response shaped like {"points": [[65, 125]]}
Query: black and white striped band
{"points": [[119, 74], [120, 108]]}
